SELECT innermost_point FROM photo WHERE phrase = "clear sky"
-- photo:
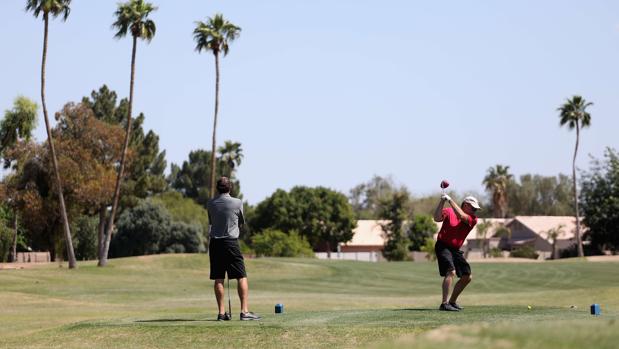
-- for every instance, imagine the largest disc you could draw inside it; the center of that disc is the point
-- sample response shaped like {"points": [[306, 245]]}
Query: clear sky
{"points": [[332, 92]]}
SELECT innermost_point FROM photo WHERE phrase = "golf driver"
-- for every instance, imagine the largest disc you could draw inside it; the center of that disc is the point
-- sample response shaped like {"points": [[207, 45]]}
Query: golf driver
{"points": [[229, 304], [444, 184]]}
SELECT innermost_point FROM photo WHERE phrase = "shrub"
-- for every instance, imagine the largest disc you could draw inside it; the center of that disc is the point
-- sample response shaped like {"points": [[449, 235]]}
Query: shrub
{"points": [[496, 252], [276, 243], [148, 228], [525, 251], [182, 238], [428, 248]]}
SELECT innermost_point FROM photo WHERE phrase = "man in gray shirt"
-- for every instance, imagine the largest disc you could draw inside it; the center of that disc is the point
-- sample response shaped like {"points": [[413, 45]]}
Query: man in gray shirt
{"points": [[225, 215]]}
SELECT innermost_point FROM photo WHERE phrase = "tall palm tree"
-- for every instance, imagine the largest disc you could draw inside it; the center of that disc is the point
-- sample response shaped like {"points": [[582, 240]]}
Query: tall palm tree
{"points": [[231, 154], [17, 126], [131, 16], [573, 113], [215, 35], [54, 8], [496, 182]]}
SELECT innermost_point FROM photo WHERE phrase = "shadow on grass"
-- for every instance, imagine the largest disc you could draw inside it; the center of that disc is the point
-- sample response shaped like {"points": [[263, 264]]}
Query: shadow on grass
{"points": [[418, 309], [175, 320]]}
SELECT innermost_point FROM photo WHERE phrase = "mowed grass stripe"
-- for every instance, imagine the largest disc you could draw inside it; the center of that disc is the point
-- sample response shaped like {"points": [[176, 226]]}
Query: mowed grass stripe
{"points": [[165, 301]]}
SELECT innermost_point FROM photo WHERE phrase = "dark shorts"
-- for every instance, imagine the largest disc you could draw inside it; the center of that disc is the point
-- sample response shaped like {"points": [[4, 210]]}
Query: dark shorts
{"points": [[449, 259], [225, 256]]}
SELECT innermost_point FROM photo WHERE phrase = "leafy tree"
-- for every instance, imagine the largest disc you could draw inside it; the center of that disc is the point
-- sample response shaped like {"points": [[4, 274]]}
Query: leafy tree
{"points": [[366, 198], [276, 243], [215, 35], [395, 211], [85, 237], [573, 113], [54, 8], [600, 201], [323, 216], [88, 152], [536, 195], [421, 228], [145, 173], [131, 16], [16, 127], [193, 178], [496, 182]]}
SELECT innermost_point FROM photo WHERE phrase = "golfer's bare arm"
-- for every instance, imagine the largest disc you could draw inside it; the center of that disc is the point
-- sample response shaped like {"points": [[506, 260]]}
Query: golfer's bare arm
{"points": [[462, 216], [438, 213]]}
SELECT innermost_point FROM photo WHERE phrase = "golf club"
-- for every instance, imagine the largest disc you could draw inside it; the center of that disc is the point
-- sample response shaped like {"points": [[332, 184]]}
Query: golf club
{"points": [[229, 304], [444, 184]]}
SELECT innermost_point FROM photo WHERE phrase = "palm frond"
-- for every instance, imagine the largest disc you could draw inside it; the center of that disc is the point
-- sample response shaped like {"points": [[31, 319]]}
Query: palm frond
{"points": [[49, 7]]}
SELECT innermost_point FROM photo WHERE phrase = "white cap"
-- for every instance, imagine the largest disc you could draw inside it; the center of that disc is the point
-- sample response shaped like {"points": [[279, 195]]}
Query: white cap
{"points": [[472, 201]]}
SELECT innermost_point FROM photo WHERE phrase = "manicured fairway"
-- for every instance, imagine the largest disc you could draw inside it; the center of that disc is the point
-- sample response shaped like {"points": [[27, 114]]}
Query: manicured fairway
{"points": [[166, 302]]}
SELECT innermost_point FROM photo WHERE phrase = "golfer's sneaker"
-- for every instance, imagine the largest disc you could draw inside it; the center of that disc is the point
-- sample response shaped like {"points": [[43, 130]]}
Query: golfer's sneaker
{"points": [[223, 317], [447, 307], [249, 316], [455, 305]]}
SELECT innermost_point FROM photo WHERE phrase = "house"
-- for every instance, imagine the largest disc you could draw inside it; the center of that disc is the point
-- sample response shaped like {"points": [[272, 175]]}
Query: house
{"points": [[533, 230], [504, 233], [368, 237]]}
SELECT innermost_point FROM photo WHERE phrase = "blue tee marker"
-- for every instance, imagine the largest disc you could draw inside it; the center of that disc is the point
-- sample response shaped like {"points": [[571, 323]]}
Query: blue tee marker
{"points": [[595, 309], [279, 308]]}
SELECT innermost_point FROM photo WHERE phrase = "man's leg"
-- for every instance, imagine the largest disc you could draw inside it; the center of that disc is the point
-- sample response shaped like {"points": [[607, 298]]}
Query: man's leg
{"points": [[219, 294], [447, 281], [243, 290], [460, 285]]}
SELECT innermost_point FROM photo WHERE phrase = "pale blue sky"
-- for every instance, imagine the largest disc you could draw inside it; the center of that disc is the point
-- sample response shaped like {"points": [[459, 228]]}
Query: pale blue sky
{"points": [[332, 92]]}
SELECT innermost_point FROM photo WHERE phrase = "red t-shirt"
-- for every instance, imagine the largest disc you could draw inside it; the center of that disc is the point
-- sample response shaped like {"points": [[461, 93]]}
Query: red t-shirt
{"points": [[453, 231]]}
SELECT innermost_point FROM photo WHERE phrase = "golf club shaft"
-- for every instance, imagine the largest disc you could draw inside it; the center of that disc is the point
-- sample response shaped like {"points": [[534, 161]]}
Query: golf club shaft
{"points": [[229, 303]]}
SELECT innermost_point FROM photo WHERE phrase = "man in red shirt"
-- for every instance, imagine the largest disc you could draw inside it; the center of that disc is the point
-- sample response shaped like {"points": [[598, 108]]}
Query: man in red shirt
{"points": [[458, 221]]}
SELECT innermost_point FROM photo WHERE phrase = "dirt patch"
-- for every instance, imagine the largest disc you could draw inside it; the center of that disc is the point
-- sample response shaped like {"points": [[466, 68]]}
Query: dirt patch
{"points": [[603, 258], [505, 260], [23, 265]]}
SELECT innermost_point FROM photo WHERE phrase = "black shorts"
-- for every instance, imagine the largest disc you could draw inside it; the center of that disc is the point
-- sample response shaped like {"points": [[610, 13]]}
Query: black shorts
{"points": [[225, 256], [450, 259]]}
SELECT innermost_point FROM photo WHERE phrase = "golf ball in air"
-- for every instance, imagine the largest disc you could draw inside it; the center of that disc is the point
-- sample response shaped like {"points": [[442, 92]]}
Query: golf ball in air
{"points": [[529, 307]]}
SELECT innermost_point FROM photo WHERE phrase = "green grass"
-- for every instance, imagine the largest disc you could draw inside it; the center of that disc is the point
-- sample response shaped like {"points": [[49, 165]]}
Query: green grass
{"points": [[167, 302]]}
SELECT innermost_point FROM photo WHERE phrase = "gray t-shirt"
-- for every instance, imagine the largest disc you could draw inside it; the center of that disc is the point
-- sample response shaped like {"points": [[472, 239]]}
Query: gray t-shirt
{"points": [[225, 215]]}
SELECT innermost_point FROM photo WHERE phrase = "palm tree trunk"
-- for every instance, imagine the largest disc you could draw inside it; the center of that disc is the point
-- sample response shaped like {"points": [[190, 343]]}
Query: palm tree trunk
{"points": [[110, 223], [213, 164], [14, 247], [63, 210], [101, 232], [578, 239]]}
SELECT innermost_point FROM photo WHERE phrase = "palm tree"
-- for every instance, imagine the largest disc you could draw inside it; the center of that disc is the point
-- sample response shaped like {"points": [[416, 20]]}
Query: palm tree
{"points": [[17, 126], [215, 35], [483, 229], [131, 16], [231, 154], [496, 182], [573, 113], [553, 234], [54, 8]]}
